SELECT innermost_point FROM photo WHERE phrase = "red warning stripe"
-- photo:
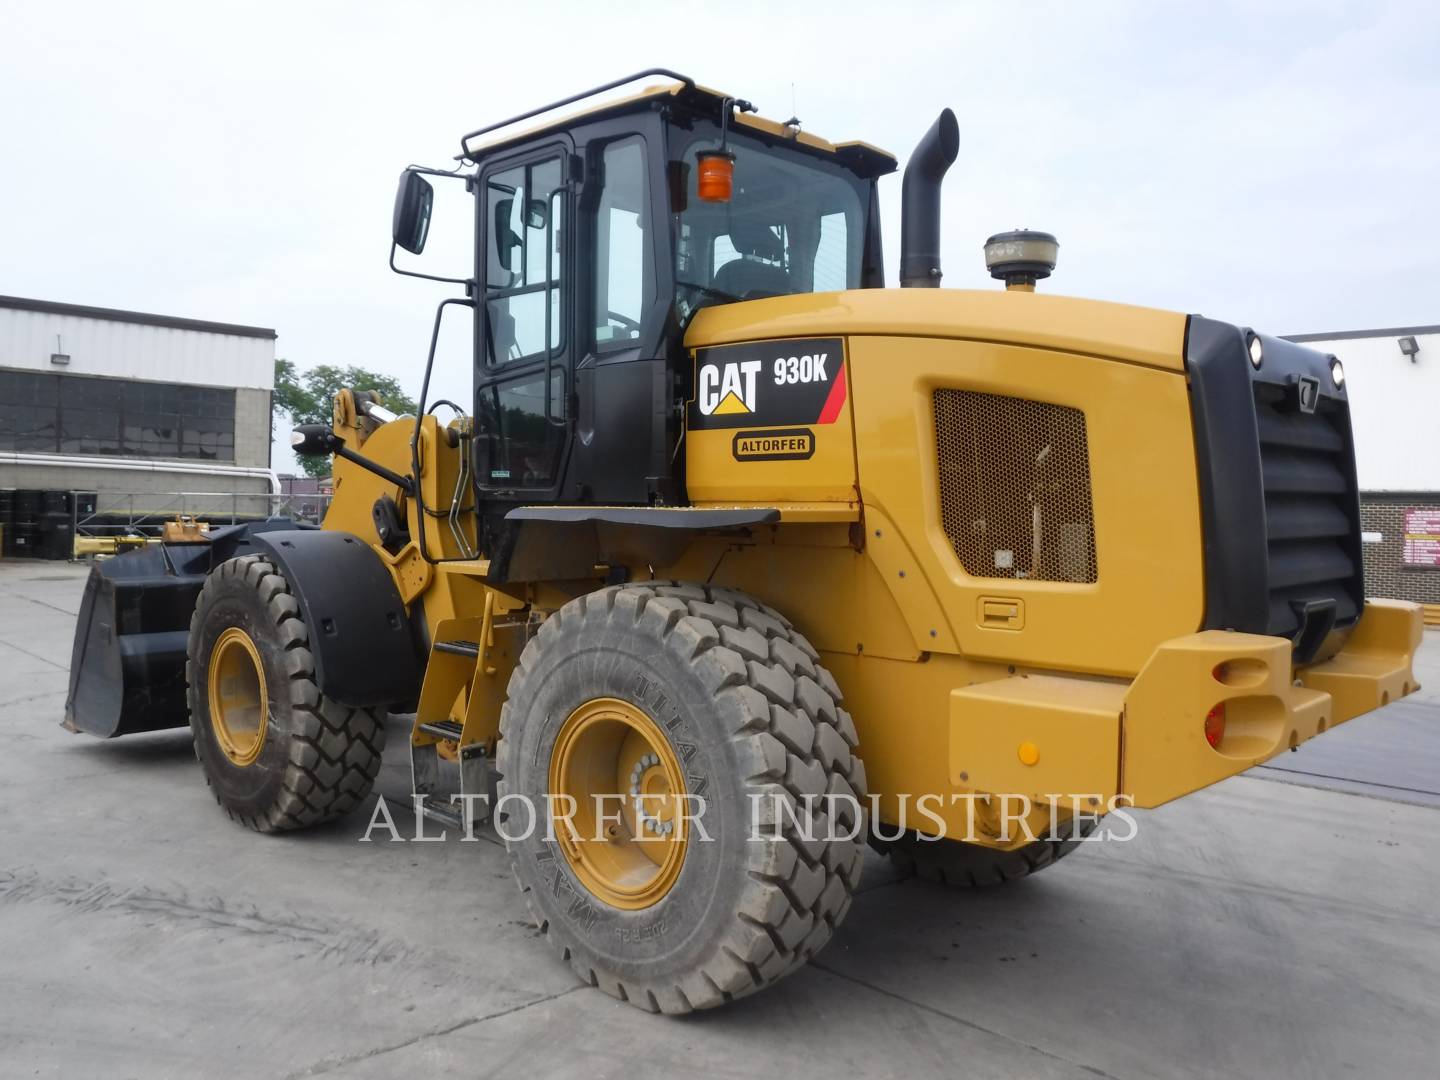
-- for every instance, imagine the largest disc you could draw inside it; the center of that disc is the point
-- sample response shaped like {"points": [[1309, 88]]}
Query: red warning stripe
{"points": [[835, 399]]}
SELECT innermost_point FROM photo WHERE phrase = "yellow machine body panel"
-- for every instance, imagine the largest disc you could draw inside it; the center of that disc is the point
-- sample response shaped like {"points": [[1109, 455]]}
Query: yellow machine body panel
{"points": [[1086, 675], [1136, 335], [1145, 512], [1121, 369], [974, 667]]}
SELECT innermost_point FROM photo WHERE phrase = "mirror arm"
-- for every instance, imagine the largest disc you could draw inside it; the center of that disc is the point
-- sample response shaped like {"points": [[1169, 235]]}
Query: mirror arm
{"points": [[458, 173], [469, 283]]}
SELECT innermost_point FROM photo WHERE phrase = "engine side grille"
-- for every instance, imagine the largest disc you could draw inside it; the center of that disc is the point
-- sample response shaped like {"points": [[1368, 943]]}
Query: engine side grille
{"points": [[1307, 470], [1015, 498]]}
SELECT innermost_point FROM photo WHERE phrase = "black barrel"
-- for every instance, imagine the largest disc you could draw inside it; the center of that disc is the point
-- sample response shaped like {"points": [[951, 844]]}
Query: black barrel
{"points": [[56, 502], [7, 520], [56, 539], [85, 502], [22, 540], [28, 505], [23, 531]]}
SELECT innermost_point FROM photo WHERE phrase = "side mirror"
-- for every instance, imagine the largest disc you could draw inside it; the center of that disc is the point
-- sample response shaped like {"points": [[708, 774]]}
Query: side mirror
{"points": [[413, 200]]}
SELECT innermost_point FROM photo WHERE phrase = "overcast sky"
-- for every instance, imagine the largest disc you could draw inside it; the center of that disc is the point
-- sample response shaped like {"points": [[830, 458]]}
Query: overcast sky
{"points": [[1270, 163]]}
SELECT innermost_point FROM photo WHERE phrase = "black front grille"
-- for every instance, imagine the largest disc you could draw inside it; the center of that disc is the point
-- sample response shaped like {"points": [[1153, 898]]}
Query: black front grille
{"points": [[1280, 503], [1308, 474]]}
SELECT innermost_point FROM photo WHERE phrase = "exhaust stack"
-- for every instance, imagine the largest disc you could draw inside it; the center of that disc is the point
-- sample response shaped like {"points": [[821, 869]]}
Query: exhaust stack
{"points": [[920, 203]]}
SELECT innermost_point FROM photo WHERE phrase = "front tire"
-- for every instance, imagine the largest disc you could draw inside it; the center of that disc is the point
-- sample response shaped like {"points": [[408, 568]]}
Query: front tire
{"points": [[276, 753], [744, 716]]}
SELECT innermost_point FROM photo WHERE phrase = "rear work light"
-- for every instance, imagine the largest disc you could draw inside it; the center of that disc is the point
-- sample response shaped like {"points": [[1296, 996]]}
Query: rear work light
{"points": [[1215, 726]]}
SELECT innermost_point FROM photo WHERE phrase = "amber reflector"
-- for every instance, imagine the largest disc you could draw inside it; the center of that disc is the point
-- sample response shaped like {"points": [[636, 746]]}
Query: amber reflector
{"points": [[1215, 725], [717, 176]]}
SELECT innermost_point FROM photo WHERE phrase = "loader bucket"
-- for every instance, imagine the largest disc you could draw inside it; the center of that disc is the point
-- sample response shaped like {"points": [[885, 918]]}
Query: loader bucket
{"points": [[127, 667]]}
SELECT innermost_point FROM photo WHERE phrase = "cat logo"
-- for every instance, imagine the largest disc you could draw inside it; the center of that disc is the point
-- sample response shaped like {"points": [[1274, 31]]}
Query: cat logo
{"points": [[729, 389], [1307, 393], [765, 384]]}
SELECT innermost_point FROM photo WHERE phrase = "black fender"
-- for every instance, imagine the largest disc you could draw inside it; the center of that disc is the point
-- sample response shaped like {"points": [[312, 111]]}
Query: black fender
{"points": [[542, 543], [361, 637]]}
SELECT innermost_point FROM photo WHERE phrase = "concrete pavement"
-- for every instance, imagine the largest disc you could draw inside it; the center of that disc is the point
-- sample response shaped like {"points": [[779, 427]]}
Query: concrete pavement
{"points": [[1257, 928]]}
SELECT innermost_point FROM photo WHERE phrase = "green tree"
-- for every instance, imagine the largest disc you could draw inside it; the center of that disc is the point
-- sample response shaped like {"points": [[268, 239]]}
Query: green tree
{"points": [[308, 397]]}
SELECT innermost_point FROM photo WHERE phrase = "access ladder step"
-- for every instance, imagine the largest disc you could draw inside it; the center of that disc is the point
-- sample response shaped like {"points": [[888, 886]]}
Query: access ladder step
{"points": [[458, 648], [443, 729], [447, 816]]}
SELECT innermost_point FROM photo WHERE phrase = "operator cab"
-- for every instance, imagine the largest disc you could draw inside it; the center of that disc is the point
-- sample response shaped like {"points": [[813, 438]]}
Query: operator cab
{"points": [[596, 244]]}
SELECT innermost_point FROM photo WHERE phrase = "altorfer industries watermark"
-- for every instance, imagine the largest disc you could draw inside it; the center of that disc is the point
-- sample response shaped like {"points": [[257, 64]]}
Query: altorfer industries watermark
{"points": [[987, 818]]}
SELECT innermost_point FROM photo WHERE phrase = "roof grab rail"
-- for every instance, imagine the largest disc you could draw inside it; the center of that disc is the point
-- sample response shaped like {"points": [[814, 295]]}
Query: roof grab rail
{"points": [[684, 80]]}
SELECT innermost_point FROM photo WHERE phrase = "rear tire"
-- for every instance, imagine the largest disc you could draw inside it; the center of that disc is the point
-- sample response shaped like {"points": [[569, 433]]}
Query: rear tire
{"points": [[302, 758], [964, 866], [736, 694]]}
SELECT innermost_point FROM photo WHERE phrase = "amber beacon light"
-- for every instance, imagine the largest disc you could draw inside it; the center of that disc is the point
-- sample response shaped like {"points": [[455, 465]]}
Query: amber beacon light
{"points": [[716, 179]]}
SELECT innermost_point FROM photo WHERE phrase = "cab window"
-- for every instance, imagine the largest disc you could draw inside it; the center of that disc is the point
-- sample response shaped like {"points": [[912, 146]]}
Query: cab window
{"points": [[517, 445], [624, 271], [524, 216], [794, 224]]}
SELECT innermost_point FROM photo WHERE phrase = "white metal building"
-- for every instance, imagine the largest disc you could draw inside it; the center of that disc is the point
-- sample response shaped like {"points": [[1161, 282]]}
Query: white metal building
{"points": [[132, 404], [1393, 375]]}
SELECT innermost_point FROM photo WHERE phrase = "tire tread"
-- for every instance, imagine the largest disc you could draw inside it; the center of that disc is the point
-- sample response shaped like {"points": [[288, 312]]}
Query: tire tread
{"points": [[335, 750], [803, 745]]}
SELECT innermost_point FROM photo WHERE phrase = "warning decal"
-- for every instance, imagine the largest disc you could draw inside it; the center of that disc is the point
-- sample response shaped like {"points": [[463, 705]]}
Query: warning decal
{"points": [[769, 383]]}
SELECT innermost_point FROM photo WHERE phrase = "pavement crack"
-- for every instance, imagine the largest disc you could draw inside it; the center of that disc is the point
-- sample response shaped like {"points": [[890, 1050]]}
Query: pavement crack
{"points": [[46, 604], [1294, 899], [11, 702], [1346, 780], [35, 656], [331, 1064], [323, 938], [971, 1024]]}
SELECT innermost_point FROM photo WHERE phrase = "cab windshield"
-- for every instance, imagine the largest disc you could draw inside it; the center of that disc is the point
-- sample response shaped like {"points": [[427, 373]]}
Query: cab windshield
{"points": [[794, 224]]}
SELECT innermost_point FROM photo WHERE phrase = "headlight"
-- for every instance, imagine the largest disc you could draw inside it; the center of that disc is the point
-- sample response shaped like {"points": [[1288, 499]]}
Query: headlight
{"points": [[1257, 353], [1337, 374]]}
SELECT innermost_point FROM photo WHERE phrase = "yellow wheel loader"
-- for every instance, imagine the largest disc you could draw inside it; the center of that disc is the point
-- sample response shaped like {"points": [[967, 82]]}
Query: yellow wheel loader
{"points": [[738, 559]]}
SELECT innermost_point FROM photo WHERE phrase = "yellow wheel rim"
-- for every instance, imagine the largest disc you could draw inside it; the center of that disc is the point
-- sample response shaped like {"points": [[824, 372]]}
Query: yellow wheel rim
{"points": [[239, 707], [626, 837]]}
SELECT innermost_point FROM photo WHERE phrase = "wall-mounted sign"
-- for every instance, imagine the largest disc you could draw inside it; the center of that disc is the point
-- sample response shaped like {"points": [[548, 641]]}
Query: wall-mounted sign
{"points": [[1422, 538]]}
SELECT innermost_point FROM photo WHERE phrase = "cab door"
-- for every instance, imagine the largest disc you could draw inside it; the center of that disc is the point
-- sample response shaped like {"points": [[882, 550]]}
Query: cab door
{"points": [[524, 327]]}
